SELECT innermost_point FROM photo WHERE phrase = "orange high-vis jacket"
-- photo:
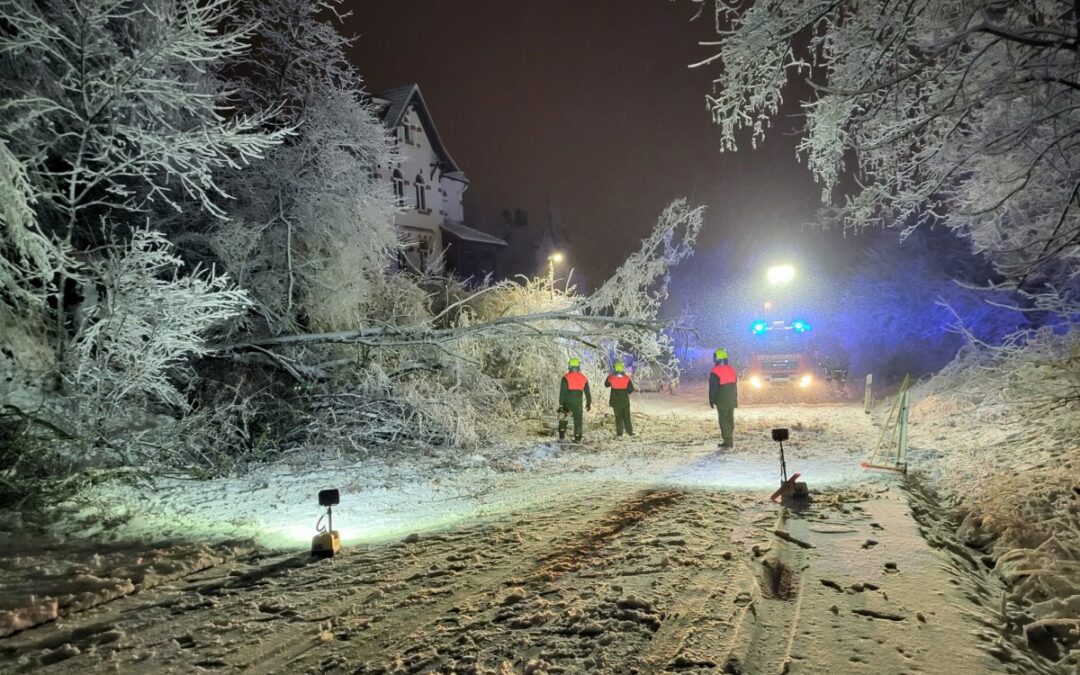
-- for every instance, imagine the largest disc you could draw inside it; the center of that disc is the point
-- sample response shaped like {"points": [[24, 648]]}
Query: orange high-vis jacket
{"points": [[725, 373]]}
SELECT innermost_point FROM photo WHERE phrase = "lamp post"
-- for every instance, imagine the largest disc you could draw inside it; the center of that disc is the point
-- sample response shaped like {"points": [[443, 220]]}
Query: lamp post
{"points": [[552, 259]]}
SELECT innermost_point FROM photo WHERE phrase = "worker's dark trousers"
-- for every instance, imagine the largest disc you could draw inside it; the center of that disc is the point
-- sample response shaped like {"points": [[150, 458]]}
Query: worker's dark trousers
{"points": [[622, 418], [575, 411], [726, 417]]}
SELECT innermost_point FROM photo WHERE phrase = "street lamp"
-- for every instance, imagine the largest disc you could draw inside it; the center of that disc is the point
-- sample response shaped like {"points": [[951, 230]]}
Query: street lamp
{"points": [[781, 274], [552, 259]]}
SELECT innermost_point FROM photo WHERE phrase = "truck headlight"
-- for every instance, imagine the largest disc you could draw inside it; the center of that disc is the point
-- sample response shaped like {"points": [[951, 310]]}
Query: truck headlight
{"points": [[806, 381], [755, 382]]}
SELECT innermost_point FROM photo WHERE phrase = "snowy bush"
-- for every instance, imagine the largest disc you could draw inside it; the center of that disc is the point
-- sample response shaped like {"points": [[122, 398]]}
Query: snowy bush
{"points": [[121, 404], [1013, 483]]}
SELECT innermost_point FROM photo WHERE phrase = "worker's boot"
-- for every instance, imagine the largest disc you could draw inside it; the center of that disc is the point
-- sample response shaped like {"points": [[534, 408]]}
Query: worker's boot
{"points": [[577, 439]]}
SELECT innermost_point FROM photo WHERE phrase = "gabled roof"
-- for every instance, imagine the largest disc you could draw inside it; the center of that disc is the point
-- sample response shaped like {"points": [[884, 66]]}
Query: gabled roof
{"points": [[393, 104], [466, 233]]}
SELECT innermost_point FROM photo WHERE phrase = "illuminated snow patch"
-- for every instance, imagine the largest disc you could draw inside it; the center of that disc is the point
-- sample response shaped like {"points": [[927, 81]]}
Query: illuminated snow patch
{"points": [[760, 473]]}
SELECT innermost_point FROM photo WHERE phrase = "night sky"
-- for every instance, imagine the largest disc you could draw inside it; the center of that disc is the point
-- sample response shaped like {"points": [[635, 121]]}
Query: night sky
{"points": [[591, 106]]}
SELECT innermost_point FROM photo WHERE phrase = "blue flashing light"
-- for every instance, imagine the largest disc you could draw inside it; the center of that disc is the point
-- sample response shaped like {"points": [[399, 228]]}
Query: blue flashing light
{"points": [[758, 327], [800, 326]]}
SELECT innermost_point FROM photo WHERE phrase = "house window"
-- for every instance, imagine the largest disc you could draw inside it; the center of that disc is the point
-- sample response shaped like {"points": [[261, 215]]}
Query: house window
{"points": [[399, 187], [408, 132], [421, 194]]}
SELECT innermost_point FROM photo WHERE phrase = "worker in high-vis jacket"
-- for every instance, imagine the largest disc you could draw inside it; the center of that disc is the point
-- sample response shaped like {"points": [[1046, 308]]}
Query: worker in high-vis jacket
{"points": [[724, 396], [621, 387], [573, 391]]}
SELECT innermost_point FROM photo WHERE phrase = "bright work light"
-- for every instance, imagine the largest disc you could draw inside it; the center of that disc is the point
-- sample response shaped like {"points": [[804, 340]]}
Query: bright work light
{"points": [[328, 541], [781, 274], [556, 257]]}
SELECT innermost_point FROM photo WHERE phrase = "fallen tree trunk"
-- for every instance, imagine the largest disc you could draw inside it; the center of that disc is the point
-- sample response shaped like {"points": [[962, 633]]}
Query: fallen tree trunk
{"points": [[525, 326]]}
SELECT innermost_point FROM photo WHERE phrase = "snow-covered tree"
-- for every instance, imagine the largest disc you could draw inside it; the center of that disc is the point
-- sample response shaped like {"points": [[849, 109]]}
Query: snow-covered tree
{"points": [[516, 332], [114, 127], [147, 323], [109, 111], [955, 112], [312, 227]]}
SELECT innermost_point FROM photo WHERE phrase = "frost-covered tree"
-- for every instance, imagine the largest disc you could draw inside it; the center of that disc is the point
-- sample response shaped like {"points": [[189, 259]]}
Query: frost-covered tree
{"points": [[312, 226], [964, 113], [114, 126], [147, 323], [108, 110]]}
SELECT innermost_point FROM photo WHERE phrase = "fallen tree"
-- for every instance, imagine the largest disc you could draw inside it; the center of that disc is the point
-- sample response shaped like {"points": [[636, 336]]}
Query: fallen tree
{"points": [[482, 362], [624, 308], [197, 252]]}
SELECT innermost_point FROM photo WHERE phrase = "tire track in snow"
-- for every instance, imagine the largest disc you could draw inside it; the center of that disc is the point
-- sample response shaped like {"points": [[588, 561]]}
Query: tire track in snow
{"points": [[393, 634]]}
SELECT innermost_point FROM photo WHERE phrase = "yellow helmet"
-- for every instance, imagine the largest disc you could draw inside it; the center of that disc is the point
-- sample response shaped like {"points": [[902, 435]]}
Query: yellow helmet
{"points": [[620, 367], [575, 362], [720, 354]]}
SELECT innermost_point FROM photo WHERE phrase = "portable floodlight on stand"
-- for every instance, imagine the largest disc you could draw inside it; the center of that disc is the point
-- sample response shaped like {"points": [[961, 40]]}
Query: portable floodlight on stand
{"points": [[327, 542], [789, 488], [781, 435]]}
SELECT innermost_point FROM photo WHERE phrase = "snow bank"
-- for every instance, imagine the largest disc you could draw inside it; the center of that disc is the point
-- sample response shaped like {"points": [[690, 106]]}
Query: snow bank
{"points": [[998, 432]]}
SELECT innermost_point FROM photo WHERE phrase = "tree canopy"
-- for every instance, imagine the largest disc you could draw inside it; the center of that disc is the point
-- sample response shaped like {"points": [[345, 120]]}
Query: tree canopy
{"points": [[960, 113]]}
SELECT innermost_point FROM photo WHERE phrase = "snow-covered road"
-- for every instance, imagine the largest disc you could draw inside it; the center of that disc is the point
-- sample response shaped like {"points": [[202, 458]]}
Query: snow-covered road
{"points": [[387, 498], [657, 554]]}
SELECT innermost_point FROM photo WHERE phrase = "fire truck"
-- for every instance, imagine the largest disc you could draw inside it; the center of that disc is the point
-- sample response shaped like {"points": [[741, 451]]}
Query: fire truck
{"points": [[782, 359]]}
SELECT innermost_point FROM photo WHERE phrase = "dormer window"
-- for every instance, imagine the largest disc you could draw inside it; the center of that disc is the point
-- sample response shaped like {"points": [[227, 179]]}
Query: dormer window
{"points": [[421, 193], [399, 187]]}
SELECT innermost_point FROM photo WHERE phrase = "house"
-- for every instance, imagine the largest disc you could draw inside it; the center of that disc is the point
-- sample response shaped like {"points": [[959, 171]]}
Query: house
{"points": [[429, 186]]}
